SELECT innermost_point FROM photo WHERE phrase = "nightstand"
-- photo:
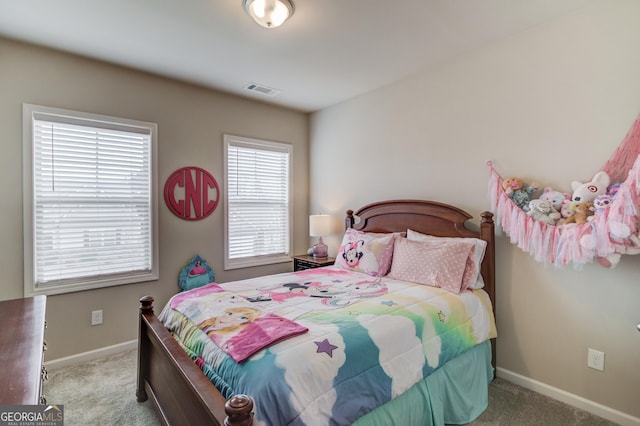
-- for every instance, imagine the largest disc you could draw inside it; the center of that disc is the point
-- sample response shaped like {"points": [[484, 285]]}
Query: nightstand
{"points": [[305, 261]]}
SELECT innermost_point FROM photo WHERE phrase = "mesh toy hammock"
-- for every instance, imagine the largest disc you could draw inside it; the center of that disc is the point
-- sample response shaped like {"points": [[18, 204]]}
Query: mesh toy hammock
{"points": [[609, 234]]}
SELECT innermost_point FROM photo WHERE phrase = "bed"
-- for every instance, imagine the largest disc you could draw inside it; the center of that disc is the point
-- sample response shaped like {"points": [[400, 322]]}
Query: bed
{"points": [[456, 374]]}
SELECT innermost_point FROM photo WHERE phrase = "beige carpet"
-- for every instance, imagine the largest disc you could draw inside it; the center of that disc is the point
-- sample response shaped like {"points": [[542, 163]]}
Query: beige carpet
{"points": [[102, 392], [511, 404]]}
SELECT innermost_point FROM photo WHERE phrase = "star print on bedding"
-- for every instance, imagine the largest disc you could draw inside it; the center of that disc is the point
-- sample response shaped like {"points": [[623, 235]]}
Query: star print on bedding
{"points": [[326, 347]]}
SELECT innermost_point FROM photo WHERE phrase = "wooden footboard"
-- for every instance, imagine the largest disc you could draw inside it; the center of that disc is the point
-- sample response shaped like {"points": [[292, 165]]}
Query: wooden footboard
{"points": [[174, 383]]}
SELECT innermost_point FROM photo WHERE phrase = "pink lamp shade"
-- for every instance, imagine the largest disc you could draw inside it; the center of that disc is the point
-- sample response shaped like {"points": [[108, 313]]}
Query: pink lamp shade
{"points": [[320, 226]]}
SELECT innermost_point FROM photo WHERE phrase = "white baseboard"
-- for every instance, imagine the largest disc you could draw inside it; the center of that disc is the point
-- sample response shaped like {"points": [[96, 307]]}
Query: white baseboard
{"points": [[91, 355], [592, 407]]}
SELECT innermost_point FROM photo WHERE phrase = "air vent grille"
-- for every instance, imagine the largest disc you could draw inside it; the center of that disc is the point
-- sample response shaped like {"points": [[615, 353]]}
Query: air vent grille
{"points": [[263, 90]]}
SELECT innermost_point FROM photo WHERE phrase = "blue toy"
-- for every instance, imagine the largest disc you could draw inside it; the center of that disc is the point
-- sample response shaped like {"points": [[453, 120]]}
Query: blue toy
{"points": [[196, 274]]}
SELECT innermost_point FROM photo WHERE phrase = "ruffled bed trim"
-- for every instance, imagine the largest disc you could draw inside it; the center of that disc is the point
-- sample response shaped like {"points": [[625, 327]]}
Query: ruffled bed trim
{"points": [[611, 233]]}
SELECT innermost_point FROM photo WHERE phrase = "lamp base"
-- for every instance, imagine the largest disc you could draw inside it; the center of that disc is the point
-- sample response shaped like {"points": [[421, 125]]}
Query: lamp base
{"points": [[320, 250]]}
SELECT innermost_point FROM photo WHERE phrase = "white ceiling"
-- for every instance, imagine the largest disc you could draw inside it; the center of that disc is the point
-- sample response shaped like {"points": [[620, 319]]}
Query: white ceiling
{"points": [[329, 51]]}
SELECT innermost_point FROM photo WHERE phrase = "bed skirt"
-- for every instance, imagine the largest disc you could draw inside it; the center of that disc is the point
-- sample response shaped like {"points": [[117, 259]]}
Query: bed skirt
{"points": [[456, 393]]}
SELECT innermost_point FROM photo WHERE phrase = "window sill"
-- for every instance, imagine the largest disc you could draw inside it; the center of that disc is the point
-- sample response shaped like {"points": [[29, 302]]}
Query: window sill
{"points": [[71, 287], [255, 261]]}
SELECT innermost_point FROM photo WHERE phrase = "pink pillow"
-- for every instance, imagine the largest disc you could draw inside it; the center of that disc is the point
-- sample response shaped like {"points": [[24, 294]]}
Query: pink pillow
{"points": [[478, 253], [435, 263], [366, 252]]}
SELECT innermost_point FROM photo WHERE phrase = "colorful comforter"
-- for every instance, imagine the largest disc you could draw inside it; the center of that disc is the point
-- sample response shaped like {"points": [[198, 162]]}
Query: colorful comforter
{"points": [[369, 339]]}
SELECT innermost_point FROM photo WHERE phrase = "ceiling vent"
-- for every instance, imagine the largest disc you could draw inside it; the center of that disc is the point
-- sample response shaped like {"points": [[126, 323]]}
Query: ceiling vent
{"points": [[263, 90]]}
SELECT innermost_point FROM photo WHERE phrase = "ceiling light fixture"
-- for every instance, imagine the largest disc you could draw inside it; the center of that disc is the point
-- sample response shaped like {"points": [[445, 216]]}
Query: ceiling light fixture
{"points": [[269, 13]]}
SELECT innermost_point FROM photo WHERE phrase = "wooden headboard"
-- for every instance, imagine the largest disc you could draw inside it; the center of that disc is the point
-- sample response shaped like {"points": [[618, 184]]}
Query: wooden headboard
{"points": [[433, 218]]}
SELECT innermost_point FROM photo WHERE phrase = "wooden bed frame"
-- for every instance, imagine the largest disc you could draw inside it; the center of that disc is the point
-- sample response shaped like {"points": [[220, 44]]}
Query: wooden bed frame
{"points": [[182, 394]]}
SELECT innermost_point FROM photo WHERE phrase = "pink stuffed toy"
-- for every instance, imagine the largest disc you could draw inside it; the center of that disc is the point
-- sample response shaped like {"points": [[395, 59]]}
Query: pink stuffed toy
{"points": [[554, 197]]}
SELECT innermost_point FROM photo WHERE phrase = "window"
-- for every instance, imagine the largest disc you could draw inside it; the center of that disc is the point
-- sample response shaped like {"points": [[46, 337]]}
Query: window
{"points": [[257, 202], [90, 210]]}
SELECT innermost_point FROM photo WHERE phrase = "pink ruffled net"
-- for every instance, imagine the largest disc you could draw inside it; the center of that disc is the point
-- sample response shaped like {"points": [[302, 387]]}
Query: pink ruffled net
{"points": [[610, 233]]}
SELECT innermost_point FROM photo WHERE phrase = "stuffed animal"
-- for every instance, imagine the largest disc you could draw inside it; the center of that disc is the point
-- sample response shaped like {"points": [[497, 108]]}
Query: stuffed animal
{"points": [[600, 204], [511, 184], [567, 209], [583, 192], [581, 213], [543, 211], [554, 197], [521, 197]]}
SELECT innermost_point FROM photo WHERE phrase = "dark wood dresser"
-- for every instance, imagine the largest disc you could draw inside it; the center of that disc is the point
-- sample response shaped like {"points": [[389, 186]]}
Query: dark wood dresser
{"points": [[22, 324]]}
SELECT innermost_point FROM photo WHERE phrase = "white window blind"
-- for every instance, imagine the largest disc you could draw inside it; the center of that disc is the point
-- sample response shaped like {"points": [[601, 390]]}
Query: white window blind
{"points": [[93, 211], [257, 202]]}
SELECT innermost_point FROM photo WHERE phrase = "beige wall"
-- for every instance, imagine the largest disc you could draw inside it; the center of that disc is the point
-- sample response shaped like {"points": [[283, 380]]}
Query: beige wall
{"points": [[191, 123], [551, 104]]}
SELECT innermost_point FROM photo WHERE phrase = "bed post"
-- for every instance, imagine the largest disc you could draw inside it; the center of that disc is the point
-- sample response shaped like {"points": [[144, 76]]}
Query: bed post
{"points": [[239, 411], [487, 232], [146, 308]]}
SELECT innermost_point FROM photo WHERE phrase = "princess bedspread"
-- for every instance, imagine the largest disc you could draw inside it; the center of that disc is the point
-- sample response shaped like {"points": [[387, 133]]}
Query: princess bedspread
{"points": [[324, 346]]}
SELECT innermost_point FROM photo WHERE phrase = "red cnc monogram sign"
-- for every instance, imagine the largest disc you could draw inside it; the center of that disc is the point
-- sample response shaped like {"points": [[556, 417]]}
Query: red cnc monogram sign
{"points": [[191, 193]]}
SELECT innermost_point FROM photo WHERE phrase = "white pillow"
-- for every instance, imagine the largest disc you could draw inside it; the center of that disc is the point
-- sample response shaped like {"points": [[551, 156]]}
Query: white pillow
{"points": [[478, 253]]}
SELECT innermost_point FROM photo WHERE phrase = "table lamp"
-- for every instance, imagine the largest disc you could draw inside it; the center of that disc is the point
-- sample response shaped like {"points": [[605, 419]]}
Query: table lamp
{"points": [[320, 226]]}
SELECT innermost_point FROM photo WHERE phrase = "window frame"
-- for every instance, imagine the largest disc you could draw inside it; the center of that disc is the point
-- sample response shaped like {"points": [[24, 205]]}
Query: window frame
{"points": [[259, 144], [32, 112]]}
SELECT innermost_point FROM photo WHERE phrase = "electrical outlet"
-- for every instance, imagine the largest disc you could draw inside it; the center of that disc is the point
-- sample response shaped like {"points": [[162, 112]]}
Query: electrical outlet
{"points": [[595, 359], [96, 317]]}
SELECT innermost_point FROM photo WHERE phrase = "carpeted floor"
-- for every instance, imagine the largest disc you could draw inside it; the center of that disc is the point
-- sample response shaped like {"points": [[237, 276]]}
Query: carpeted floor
{"points": [[102, 392], [514, 405]]}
